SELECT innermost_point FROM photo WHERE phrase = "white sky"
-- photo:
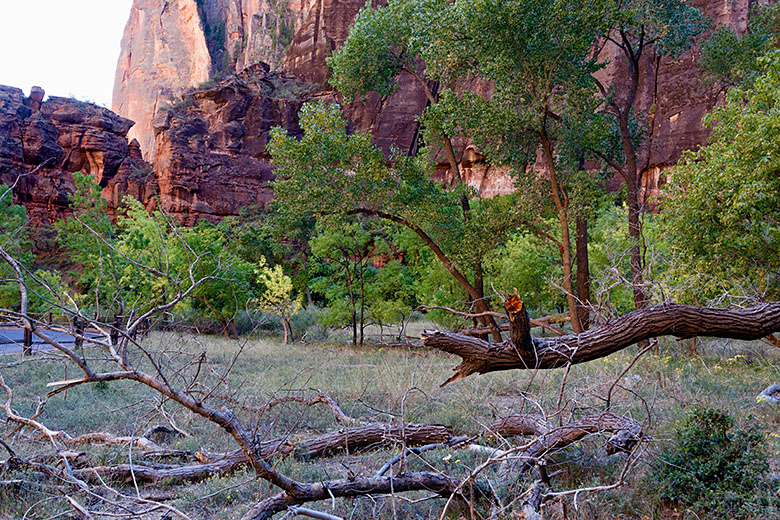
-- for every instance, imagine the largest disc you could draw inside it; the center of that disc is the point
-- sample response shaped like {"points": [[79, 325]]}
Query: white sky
{"points": [[67, 47]]}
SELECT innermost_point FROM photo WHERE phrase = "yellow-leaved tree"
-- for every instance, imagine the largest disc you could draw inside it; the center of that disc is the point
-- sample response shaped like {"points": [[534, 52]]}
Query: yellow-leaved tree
{"points": [[278, 296]]}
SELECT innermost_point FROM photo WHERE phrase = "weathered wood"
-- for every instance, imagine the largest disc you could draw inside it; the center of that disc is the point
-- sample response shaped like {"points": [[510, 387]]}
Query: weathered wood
{"points": [[682, 321], [433, 482], [626, 433], [351, 439], [347, 439], [520, 424]]}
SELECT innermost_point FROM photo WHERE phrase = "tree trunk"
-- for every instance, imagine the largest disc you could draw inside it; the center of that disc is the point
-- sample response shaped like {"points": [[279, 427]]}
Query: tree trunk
{"points": [[362, 303], [287, 329], [563, 216], [351, 487], [632, 178], [583, 273], [521, 351], [345, 440]]}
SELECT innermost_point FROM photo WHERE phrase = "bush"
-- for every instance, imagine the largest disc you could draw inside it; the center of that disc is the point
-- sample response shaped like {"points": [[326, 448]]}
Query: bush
{"points": [[305, 324], [713, 467]]}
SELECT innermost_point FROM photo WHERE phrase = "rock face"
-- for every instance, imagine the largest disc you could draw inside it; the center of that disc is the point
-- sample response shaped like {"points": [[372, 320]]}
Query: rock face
{"points": [[680, 98], [325, 28], [211, 157], [172, 45], [163, 53], [240, 33], [43, 142]]}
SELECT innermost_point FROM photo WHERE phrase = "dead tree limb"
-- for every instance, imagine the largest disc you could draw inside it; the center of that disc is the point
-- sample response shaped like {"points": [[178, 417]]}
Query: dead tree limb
{"points": [[520, 424], [626, 433], [435, 482], [522, 351], [348, 439]]}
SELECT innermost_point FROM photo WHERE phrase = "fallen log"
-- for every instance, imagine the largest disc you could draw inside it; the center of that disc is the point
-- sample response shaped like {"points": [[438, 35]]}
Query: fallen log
{"points": [[626, 433], [348, 440], [522, 351], [433, 482], [520, 424]]}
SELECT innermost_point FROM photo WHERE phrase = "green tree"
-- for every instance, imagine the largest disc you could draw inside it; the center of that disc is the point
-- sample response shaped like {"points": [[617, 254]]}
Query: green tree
{"points": [[731, 58], [642, 31], [404, 37], [722, 213], [204, 263], [15, 241], [145, 261], [536, 55], [413, 37], [391, 296], [349, 247], [330, 172]]}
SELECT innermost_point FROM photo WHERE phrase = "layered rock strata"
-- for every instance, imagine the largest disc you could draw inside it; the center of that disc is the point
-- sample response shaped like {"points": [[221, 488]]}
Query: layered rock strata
{"points": [[211, 158], [43, 142]]}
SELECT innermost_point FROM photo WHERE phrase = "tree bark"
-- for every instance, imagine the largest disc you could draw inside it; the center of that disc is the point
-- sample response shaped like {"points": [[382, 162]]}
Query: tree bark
{"points": [[583, 273], [347, 439], [562, 206], [632, 178], [432, 482], [526, 352]]}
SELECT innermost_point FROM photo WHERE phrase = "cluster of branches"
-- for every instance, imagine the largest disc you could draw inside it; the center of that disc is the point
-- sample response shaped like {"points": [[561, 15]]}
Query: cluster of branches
{"points": [[112, 352]]}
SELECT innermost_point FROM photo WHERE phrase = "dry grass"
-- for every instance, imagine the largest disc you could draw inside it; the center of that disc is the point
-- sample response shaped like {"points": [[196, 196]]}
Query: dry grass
{"points": [[381, 383]]}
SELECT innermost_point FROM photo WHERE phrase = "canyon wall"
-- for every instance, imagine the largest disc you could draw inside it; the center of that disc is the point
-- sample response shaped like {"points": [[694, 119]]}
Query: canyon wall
{"points": [[211, 158], [675, 96], [204, 130], [163, 53], [43, 142]]}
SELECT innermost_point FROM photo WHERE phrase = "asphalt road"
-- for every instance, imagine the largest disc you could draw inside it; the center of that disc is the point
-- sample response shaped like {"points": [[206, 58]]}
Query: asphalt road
{"points": [[12, 340]]}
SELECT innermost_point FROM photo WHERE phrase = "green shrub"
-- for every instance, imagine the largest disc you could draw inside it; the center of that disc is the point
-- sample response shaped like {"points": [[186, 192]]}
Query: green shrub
{"points": [[716, 468]]}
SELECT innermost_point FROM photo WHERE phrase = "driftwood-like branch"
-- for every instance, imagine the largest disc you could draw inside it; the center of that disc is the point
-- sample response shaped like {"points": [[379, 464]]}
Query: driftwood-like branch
{"points": [[771, 394], [434, 482], [348, 439], [626, 433], [522, 351], [338, 413], [520, 424]]}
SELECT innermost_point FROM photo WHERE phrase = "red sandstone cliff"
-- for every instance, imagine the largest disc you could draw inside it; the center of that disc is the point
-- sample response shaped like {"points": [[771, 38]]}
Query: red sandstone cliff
{"points": [[163, 53], [211, 159], [65, 135], [297, 36]]}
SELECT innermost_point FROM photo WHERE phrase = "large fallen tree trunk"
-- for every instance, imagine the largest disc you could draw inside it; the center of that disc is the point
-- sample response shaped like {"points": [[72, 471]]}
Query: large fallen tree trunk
{"points": [[433, 482], [347, 439], [522, 351]]}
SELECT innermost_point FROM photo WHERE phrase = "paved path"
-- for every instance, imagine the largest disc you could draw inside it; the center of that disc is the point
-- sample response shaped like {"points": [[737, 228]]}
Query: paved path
{"points": [[12, 340]]}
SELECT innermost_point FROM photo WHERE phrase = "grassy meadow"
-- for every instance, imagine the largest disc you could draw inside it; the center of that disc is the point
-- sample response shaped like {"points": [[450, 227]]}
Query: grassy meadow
{"points": [[380, 383]]}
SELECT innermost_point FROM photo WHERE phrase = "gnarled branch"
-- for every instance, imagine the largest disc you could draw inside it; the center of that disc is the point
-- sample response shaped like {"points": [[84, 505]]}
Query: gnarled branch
{"points": [[523, 351]]}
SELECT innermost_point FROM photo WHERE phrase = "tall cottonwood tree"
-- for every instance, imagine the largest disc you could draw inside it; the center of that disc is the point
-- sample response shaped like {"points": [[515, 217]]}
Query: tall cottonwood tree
{"points": [[415, 38], [535, 55], [640, 32]]}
